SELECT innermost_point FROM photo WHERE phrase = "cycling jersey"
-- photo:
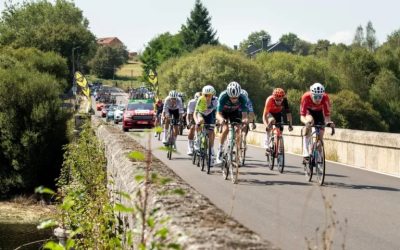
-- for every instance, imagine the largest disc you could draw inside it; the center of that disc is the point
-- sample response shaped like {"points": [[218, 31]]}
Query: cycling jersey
{"points": [[225, 105], [158, 108], [205, 108], [170, 105], [191, 106], [250, 108], [307, 106], [272, 107]]}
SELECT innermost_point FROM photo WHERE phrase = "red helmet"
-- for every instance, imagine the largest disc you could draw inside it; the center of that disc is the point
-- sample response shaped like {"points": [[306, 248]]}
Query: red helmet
{"points": [[278, 93]]}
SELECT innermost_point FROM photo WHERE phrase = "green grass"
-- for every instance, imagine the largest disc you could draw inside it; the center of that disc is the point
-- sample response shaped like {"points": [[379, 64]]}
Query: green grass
{"points": [[133, 69]]}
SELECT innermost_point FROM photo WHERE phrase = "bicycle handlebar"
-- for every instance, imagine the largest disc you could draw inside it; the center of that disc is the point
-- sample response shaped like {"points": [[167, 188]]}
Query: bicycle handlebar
{"points": [[325, 125]]}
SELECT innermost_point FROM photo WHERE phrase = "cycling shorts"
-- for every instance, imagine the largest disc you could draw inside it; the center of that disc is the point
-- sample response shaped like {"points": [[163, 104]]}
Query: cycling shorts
{"points": [[234, 116]]}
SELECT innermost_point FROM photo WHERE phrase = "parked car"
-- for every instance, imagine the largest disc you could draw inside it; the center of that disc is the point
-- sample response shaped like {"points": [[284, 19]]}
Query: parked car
{"points": [[118, 113], [138, 113]]}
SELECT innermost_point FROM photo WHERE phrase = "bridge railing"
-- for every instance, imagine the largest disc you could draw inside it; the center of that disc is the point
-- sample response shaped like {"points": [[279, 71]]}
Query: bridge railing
{"points": [[375, 151]]}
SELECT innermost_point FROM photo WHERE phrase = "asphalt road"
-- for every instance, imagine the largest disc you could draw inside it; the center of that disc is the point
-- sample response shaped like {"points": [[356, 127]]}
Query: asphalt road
{"points": [[356, 209]]}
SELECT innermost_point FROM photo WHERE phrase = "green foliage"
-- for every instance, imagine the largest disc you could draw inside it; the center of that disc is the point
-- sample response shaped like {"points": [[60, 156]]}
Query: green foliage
{"points": [[213, 65], [295, 44], [294, 98], [198, 30], [160, 49], [256, 39], [384, 94], [107, 60], [32, 124], [350, 110], [57, 27]]}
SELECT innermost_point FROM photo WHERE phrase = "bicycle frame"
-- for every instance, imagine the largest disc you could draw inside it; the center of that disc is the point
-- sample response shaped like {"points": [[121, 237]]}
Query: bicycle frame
{"points": [[277, 150], [231, 159], [171, 137]]}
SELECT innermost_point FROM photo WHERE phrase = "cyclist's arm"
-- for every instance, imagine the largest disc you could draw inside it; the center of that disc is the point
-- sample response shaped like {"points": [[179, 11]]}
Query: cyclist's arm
{"points": [[219, 117], [266, 112], [287, 111]]}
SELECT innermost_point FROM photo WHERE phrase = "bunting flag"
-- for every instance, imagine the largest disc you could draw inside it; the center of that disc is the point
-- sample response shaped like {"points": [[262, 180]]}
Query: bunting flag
{"points": [[80, 79], [152, 76]]}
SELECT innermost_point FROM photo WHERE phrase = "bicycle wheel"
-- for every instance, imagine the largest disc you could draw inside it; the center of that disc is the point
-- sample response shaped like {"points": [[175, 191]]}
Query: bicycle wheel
{"points": [[169, 152], [280, 160], [194, 156], [225, 167], [320, 163], [272, 156], [209, 155], [243, 149], [234, 167]]}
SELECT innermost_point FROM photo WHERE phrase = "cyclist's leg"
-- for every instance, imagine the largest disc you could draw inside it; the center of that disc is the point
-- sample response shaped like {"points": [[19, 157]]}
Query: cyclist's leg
{"points": [[270, 122], [307, 142], [319, 119], [175, 115], [237, 117], [224, 134], [166, 125], [190, 134]]}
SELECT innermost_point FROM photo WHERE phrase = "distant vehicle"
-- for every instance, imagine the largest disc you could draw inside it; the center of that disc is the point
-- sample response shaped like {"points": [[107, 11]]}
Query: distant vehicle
{"points": [[118, 113], [138, 113], [99, 106], [110, 113], [104, 110]]}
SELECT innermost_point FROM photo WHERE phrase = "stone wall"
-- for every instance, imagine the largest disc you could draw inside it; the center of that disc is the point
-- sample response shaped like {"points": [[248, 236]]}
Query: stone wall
{"points": [[195, 223], [374, 151]]}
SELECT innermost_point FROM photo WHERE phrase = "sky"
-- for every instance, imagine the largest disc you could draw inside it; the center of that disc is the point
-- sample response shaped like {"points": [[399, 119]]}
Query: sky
{"points": [[136, 22]]}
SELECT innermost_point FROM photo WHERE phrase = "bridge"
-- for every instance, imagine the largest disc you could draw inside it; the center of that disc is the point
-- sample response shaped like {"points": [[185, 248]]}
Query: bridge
{"points": [[357, 208]]}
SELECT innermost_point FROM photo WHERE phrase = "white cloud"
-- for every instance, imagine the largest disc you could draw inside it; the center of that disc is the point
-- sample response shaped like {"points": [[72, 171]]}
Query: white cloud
{"points": [[344, 36]]}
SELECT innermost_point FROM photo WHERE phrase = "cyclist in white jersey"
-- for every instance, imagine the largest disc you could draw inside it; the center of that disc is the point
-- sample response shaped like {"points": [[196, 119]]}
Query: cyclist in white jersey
{"points": [[190, 122], [172, 107]]}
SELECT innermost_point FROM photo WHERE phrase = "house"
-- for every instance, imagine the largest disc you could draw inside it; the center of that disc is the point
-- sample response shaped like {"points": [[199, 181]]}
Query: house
{"points": [[109, 41], [252, 50]]}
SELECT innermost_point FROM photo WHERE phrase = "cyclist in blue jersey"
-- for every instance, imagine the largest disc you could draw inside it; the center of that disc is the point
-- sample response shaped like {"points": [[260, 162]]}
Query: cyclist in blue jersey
{"points": [[232, 107], [250, 113]]}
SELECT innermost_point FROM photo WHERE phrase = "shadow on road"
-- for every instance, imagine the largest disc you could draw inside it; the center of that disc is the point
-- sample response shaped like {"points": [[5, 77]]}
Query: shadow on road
{"points": [[254, 182], [365, 187]]}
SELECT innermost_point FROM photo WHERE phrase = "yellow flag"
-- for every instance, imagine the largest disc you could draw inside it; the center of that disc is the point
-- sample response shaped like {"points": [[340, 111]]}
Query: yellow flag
{"points": [[80, 79], [86, 91], [153, 79]]}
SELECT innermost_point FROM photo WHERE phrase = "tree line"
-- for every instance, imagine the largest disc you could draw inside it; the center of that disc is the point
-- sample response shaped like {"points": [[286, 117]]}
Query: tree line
{"points": [[363, 79]]}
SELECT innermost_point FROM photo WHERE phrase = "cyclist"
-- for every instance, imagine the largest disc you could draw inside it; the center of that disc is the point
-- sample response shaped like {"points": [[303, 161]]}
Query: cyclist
{"points": [[232, 106], [172, 107], [205, 114], [158, 108], [274, 105], [190, 122], [315, 108]]}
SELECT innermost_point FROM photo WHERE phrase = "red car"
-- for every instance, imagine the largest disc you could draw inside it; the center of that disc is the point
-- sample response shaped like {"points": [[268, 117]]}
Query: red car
{"points": [[99, 106], [138, 113]]}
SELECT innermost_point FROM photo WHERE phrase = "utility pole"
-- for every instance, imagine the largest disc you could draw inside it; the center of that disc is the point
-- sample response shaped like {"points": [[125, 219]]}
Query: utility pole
{"points": [[74, 88]]}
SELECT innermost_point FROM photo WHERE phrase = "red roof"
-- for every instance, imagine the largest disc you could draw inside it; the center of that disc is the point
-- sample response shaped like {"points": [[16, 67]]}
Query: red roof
{"points": [[109, 41]]}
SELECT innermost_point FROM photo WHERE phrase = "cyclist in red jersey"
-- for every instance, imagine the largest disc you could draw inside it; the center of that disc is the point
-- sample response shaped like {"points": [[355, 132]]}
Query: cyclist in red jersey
{"points": [[315, 108], [274, 105]]}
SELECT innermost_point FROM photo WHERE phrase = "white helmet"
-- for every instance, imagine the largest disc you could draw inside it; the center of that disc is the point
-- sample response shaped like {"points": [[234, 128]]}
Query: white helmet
{"points": [[233, 89], [244, 92], [208, 89], [173, 94], [317, 89], [197, 95]]}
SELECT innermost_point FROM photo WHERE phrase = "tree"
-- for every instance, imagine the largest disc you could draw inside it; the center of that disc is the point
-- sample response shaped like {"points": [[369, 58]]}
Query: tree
{"points": [[198, 30], [32, 123], [384, 94], [289, 40], [107, 60], [349, 111], [255, 38], [160, 49], [359, 38], [321, 48], [57, 27], [370, 38]]}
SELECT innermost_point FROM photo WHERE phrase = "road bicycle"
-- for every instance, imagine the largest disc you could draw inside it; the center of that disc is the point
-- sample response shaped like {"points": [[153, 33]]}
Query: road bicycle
{"points": [[171, 140], [276, 148], [159, 124], [317, 155], [230, 160], [243, 144], [203, 155]]}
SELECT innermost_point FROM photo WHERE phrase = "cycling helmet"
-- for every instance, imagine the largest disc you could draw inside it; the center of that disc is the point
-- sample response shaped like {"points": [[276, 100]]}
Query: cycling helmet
{"points": [[278, 93], [208, 89], [244, 92], [233, 89], [197, 95], [317, 89], [173, 94]]}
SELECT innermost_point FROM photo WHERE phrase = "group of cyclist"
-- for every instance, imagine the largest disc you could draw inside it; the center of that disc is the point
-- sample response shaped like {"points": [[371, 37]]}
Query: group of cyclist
{"points": [[234, 106]]}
